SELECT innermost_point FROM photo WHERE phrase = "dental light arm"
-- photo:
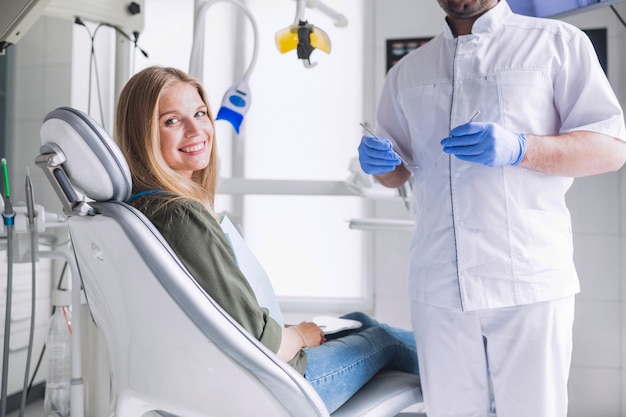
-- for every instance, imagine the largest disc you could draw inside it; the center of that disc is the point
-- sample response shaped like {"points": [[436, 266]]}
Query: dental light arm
{"points": [[236, 101], [339, 19]]}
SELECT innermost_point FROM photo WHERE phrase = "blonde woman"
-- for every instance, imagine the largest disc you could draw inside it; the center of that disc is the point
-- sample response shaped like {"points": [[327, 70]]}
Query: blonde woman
{"points": [[165, 129]]}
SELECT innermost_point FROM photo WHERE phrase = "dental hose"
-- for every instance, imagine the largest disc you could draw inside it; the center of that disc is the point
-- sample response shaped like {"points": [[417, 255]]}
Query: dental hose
{"points": [[8, 216], [30, 212]]}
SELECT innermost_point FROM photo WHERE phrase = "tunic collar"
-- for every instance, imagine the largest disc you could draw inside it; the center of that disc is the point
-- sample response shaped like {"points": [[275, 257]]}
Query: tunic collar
{"points": [[486, 23]]}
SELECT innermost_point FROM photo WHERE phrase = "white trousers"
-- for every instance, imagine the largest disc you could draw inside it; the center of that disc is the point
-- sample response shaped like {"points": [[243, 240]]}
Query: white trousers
{"points": [[525, 350]]}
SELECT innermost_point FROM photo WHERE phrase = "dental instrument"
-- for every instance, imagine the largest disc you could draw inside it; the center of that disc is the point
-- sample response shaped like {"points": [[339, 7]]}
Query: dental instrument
{"points": [[402, 191], [365, 126], [470, 121], [236, 100], [404, 195], [305, 37], [8, 216], [474, 116], [31, 214]]}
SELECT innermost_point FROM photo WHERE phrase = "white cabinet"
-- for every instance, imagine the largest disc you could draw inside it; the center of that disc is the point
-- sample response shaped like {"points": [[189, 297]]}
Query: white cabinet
{"points": [[20, 318]]}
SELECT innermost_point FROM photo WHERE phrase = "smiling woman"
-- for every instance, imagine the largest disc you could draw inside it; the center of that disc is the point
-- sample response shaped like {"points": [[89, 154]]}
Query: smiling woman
{"points": [[185, 129], [182, 122]]}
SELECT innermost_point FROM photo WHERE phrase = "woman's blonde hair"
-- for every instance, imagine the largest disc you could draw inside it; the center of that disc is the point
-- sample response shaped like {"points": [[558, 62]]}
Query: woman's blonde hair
{"points": [[137, 135]]}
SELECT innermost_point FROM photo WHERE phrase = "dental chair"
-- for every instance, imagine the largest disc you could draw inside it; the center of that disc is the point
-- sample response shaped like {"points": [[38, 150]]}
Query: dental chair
{"points": [[172, 350]]}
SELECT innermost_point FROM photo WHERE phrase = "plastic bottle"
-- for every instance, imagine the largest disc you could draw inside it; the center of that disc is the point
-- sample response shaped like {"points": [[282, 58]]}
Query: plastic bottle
{"points": [[59, 351]]}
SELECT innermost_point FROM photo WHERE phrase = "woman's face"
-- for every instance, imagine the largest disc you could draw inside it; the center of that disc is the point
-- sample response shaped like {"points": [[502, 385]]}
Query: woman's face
{"points": [[185, 129]]}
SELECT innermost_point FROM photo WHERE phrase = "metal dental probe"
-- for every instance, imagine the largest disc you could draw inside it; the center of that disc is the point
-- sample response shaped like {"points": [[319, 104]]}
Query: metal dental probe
{"points": [[366, 127], [470, 121]]}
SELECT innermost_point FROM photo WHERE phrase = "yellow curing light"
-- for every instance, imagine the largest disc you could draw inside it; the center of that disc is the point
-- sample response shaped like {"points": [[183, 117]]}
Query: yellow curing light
{"points": [[305, 37]]}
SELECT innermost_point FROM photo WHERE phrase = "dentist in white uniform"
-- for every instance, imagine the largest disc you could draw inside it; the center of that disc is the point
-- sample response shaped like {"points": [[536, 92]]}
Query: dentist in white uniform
{"points": [[492, 278]]}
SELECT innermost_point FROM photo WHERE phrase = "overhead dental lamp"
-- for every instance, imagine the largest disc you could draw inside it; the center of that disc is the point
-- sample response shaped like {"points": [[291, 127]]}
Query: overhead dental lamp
{"points": [[303, 36], [236, 101]]}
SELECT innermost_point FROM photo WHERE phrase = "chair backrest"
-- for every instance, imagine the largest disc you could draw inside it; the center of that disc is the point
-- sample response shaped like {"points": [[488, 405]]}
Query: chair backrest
{"points": [[171, 347]]}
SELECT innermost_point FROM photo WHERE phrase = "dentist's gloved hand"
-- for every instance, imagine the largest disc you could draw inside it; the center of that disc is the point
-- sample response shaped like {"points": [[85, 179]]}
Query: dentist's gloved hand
{"points": [[377, 156], [485, 143]]}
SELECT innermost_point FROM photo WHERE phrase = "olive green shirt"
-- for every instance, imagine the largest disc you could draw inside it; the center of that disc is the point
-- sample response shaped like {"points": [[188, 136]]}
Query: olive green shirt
{"points": [[198, 240]]}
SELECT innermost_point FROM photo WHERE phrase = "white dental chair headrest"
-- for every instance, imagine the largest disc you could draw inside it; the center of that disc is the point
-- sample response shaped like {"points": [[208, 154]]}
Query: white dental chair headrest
{"points": [[94, 163]]}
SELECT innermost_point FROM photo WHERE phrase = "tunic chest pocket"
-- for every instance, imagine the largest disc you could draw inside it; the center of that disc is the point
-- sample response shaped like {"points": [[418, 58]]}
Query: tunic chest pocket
{"points": [[426, 103], [524, 98]]}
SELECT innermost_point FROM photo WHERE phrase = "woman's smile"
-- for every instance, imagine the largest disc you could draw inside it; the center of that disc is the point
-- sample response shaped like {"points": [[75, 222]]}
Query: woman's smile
{"points": [[194, 148]]}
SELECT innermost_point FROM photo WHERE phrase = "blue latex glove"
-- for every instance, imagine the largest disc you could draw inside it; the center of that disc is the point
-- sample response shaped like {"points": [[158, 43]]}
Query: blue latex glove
{"points": [[377, 156], [485, 143]]}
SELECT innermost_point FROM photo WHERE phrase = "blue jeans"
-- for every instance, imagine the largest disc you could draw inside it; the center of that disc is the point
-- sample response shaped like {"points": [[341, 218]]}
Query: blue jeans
{"points": [[348, 360]]}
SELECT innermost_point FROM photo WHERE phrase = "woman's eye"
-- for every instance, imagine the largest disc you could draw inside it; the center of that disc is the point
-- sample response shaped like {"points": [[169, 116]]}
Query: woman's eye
{"points": [[171, 121], [201, 113]]}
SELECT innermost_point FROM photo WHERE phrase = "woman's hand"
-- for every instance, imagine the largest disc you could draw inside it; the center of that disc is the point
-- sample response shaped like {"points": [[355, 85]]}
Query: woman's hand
{"points": [[296, 337], [310, 333]]}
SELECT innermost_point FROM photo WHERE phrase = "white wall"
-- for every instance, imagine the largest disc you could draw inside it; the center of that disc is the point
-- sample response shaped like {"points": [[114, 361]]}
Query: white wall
{"points": [[42, 83], [598, 376]]}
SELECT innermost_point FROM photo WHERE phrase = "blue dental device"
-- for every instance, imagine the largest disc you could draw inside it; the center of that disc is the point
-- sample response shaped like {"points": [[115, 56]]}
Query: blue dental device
{"points": [[235, 104], [236, 101]]}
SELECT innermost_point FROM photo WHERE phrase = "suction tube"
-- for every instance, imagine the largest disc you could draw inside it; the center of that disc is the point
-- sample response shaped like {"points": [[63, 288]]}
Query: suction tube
{"points": [[8, 216], [31, 214]]}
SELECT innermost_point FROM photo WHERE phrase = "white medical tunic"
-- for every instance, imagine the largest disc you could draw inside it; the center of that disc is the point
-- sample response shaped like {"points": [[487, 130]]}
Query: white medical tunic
{"points": [[493, 237]]}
